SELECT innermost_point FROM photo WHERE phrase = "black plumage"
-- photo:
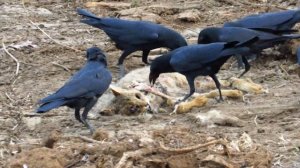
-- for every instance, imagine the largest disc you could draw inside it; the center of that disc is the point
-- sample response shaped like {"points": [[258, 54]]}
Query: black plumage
{"points": [[274, 22], [83, 89], [197, 60], [130, 36], [229, 34]]}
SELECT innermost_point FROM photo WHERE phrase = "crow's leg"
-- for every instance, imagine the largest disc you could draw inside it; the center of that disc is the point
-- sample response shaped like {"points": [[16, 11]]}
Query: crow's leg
{"points": [[87, 108], [247, 65], [192, 89], [122, 71], [145, 56], [218, 85], [239, 61], [77, 114], [121, 61]]}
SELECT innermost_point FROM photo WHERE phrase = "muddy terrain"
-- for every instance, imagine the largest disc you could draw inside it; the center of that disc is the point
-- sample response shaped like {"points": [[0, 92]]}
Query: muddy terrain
{"points": [[47, 45]]}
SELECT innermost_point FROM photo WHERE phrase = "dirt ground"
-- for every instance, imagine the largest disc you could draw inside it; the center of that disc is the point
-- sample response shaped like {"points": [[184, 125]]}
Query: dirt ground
{"points": [[56, 139]]}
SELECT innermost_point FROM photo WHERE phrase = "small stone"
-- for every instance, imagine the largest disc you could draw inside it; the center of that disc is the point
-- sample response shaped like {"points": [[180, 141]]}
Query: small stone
{"points": [[260, 130], [190, 16]]}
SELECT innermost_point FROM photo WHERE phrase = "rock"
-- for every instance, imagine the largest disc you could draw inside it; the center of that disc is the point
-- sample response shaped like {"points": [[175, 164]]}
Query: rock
{"points": [[39, 157], [52, 138], [32, 122], [101, 135], [162, 10], [110, 5], [139, 13], [43, 11], [188, 33], [189, 15], [192, 41]]}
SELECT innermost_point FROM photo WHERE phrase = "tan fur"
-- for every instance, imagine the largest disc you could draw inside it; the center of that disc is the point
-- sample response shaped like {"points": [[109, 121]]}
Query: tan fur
{"points": [[225, 93], [198, 101], [247, 85], [128, 102], [129, 94], [210, 84]]}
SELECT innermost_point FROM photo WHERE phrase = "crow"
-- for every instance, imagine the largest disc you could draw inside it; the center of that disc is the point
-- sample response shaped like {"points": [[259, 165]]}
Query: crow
{"points": [[274, 22], [229, 34], [130, 36], [197, 60], [83, 89]]}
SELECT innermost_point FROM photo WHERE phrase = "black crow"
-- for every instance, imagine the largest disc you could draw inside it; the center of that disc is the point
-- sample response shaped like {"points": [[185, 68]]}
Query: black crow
{"points": [[229, 34], [197, 60], [131, 36], [83, 89], [274, 22]]}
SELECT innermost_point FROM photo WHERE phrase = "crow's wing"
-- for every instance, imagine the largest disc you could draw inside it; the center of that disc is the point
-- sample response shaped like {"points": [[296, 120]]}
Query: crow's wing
{"points": [[132, 32], [267, 20], [229, 34], [88, 85], [195, 56]]}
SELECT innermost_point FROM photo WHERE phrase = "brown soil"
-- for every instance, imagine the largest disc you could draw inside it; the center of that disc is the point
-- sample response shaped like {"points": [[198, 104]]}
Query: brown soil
{"points": [[56, 139]]}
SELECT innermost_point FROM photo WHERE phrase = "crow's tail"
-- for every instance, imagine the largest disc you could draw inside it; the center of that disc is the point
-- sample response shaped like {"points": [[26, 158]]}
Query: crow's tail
{"points": [[90, 19], [283, 38], [86, 13], [278, 32], [49, 106]]}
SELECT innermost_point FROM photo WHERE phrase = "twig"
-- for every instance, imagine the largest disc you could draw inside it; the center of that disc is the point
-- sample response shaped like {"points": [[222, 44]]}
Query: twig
{"points": [[86, 139], [284, 70], [57, 42], [133, 154], [73, 164], [255, 118], [14, 58], [12, 100], [15, 127], [192, 148], [63, 67]]}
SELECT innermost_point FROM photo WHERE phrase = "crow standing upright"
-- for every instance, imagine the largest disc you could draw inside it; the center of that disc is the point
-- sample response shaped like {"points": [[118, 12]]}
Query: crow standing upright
{"points": [[83, 89], [274, 22], [196, 60], [131, 36], [229, 34]]}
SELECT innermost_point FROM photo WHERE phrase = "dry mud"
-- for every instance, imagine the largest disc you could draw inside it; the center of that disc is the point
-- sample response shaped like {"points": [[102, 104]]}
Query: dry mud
{"points": [[268, 137]]}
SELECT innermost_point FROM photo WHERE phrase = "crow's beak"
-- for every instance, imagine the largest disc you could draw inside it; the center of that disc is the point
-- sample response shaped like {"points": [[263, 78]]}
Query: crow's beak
{"points": [[152, 78]]}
